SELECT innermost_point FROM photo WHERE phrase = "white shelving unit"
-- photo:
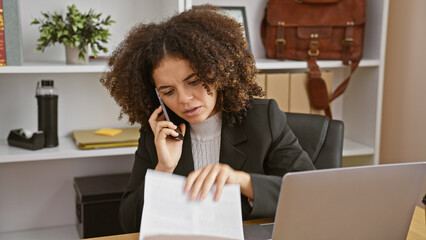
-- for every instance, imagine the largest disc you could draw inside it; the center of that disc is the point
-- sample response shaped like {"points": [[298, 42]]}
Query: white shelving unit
{"points": [[99, 67], [36, 187], [85, 104], [55, 233], [271, 64], [66, 150], [355, 149], [361, 105], [54, 67]]}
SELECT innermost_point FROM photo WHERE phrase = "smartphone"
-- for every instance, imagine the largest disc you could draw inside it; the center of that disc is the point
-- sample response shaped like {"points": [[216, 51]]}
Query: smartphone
{"points": [[180, 136]]}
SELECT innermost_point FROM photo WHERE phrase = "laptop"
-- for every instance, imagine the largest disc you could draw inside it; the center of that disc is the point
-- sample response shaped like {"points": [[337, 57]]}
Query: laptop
{"points": [[369, 202]]}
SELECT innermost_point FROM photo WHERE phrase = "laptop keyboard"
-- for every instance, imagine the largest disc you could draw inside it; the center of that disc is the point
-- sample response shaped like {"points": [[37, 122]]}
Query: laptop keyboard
{"points": [[258, 231]]}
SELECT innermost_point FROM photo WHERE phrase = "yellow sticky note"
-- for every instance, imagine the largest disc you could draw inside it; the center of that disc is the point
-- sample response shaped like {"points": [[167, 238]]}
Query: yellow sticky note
{"points": [[108, 131]]}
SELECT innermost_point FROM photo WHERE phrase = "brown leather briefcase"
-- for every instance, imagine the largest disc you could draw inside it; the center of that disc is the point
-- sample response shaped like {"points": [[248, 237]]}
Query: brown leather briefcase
{"points": [[315, 29]]}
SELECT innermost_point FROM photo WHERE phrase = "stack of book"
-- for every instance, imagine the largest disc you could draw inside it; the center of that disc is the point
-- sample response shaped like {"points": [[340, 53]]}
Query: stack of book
{"points": [[92, 139], [10, 33]]}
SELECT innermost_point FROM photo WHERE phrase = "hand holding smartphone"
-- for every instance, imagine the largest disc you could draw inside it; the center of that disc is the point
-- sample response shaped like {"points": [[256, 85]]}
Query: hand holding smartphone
{"points": [[180, 136]]}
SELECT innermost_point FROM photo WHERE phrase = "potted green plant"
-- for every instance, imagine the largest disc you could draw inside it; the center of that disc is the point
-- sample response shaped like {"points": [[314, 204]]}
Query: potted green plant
{"points": [[77, 31]]}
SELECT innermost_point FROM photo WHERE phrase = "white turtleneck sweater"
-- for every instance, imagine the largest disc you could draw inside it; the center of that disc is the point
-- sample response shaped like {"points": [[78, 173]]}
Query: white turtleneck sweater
{"points": [[205, 140]]}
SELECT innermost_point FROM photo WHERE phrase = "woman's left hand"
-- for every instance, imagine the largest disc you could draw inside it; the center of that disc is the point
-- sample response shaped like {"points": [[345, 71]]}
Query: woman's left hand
{"points": [[202, 180]]}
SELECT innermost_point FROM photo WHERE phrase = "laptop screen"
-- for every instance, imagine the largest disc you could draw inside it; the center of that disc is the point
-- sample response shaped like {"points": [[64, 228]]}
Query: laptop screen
{"points": [[370, 202]]}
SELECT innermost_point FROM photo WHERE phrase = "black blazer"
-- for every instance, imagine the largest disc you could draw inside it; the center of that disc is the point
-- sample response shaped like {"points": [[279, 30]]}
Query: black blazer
{"points": [[263, 146]]}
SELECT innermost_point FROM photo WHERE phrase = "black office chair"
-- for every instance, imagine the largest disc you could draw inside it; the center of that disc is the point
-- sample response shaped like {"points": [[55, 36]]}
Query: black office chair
{"points": [[320, 137]]}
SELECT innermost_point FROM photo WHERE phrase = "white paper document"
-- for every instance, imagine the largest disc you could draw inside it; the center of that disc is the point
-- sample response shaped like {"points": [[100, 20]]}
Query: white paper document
{"points": [[168, 210]]}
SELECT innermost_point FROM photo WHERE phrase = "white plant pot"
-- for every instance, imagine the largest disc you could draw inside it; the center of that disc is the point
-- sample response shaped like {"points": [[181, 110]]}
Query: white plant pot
{"points": [[72, 55]]}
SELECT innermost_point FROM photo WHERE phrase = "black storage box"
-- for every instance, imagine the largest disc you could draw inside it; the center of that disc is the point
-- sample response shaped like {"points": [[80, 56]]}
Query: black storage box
{"points": [[97, 204]]}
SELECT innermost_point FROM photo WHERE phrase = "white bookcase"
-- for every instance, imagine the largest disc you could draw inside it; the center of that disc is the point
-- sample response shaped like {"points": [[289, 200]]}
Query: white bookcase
{"points": [[361, 105], [36, 186]]}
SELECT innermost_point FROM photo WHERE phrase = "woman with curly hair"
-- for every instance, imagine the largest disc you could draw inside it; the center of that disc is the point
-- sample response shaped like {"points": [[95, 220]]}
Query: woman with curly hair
{"points": [[199, 62]]}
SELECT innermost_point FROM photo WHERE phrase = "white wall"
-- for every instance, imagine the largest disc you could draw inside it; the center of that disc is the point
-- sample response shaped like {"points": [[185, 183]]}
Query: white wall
{"points": [[404, 112]]}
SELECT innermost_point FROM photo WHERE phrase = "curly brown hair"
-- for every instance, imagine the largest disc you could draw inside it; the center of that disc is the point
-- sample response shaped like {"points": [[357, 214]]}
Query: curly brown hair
{"points": [[214, 45]]}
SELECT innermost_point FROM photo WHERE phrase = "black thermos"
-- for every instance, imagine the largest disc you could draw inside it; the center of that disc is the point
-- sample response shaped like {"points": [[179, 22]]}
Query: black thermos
{"points": [[47, 102]]}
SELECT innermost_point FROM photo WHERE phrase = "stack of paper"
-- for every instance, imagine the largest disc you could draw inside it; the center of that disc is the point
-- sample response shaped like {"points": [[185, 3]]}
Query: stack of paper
{"points": [[87, 139], [168, 213]]}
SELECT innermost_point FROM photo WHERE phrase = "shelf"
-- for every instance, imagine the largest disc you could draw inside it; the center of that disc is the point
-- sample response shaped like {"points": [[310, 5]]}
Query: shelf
{"points": [[353, 148], [271, 64], [55, 67], [63, 233], [99, 67], [66, 149]]}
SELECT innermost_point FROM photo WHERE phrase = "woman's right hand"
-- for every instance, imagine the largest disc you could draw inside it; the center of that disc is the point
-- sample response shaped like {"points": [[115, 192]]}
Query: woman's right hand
{"points": [[169, 150]]}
